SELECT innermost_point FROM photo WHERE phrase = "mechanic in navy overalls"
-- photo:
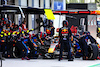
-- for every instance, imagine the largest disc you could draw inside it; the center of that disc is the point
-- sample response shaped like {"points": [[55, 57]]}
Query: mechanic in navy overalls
{"points": [[50, 29], [50, 32], [65, 34], [88, 36], [83, 44]]}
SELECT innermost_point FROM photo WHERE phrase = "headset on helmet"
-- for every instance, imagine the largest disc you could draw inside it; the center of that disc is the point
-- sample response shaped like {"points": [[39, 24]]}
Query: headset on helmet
{"points": [[50, 23], [65, 22]]}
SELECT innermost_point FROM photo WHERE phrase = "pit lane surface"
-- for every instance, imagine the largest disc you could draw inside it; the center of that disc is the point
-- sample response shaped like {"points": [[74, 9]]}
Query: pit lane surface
{"points": [[78, 62]]}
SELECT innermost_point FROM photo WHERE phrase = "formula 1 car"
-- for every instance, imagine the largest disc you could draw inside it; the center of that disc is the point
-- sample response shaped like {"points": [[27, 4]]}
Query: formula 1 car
{"points": [[49, 47]]}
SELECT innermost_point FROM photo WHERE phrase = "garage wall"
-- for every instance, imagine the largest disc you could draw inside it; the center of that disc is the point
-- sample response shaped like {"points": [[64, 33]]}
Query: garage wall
{"points": [[24, 3], [92, 25]]}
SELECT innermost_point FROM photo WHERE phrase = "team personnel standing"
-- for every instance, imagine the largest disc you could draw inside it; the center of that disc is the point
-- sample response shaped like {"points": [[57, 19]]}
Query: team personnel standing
{"points": [[65, 34]]}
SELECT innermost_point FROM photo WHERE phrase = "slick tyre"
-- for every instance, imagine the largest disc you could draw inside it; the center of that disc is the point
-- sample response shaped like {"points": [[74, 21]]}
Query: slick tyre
{"points": [[93, 51], [16, 52]]}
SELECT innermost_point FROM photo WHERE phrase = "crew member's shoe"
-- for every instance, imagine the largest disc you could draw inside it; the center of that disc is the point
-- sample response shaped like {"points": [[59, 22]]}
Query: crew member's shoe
{"points": [[98, 58], [85, 58], [27, 58], [70, 59], [60, 59], [23, 58]]}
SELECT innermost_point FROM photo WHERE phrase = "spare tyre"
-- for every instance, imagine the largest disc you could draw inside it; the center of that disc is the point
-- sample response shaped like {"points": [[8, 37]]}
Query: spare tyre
{"points": [[93, 51]]}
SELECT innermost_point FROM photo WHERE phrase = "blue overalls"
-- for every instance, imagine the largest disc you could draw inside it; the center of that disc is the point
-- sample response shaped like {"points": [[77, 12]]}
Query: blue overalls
{"points": [[34, 43], [64, 34], [26, 48]]}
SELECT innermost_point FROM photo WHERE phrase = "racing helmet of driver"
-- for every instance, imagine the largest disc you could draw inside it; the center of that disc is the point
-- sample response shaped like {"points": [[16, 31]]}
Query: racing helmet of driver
{"points": [[65, 23]]}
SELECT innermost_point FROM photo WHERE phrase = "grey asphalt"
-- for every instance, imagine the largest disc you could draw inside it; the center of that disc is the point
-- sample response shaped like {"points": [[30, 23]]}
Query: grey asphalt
{"points": [[78, 62]]}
